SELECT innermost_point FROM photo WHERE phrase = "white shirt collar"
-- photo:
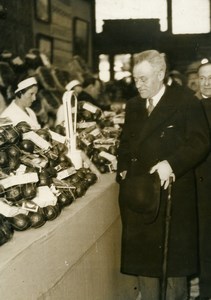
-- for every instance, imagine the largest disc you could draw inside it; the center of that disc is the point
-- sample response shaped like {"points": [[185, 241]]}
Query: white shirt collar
{"points": [[158, 96]]}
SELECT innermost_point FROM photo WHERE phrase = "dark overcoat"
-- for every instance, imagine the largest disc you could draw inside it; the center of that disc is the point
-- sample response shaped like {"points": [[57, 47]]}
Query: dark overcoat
{"points": [[175, 131], [203, 176]]}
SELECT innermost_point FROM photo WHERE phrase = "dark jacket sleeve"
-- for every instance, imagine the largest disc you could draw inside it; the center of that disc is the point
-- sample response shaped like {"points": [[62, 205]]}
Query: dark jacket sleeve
{"points": [[196, 145]]}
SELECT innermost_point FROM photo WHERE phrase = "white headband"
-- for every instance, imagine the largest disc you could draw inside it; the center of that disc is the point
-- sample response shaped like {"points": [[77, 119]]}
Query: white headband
{"points": [[26, 83], [72, 84]]}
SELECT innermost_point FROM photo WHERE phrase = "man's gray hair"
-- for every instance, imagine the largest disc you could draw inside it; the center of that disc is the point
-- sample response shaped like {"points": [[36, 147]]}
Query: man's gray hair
{"points": [[156, 59]]}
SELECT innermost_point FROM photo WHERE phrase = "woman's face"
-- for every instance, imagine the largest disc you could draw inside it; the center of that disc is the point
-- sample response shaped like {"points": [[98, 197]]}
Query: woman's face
{"points": [[29, 96]]}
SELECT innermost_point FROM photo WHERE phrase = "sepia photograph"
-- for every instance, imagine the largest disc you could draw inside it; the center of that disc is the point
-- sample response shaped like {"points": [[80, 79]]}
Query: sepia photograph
{"points": [[105, 150]]}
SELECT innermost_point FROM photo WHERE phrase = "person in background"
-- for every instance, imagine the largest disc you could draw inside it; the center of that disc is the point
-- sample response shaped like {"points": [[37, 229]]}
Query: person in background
{"points": [[165, 133], [73, 85], [19, 109], [203, 176], [92, 88], [175, 76], [7, 78], [192, 76]]}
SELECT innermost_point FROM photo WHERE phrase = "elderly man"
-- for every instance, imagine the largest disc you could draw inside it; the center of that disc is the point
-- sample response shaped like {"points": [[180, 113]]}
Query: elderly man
{"points": [[165, 133], [203, 173]]}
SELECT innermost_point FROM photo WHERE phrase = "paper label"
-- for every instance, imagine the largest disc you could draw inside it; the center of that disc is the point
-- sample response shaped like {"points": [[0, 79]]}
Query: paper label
{"points": [[86, 142], [102, 145], [83, 125], [30, 206], [44, 197], [109, 113], [120, 120], [110, 158], [10, 211], [17, 61], [109, 141], [66, 173], [34, 162], [21, 169], [37, 140], [57, 137], [19, 179], [90, 107], [95, 132], [6, 55]]}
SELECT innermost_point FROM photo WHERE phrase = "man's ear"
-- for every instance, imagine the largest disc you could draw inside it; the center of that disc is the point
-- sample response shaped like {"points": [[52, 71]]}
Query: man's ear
{"points": [[161, 75]]}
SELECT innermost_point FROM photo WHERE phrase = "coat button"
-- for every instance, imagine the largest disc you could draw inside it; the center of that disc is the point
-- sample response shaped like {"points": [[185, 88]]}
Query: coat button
{"points": [[134, 159], [201, 179]]}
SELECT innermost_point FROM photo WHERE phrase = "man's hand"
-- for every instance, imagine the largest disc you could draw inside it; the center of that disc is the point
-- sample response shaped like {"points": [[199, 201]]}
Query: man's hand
{"points": [[164, 171]]}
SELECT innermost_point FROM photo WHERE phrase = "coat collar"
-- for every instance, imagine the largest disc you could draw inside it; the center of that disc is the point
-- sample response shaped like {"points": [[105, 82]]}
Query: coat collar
{"points": [[167, 106]]}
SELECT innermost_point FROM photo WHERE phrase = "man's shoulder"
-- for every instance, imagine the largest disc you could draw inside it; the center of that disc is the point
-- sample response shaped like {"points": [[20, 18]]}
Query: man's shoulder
{"points": [[137, 100], [181, 94]]}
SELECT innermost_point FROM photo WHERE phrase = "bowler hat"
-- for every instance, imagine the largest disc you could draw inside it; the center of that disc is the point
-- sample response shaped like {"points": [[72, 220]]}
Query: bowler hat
{"points": [[141, 194]]}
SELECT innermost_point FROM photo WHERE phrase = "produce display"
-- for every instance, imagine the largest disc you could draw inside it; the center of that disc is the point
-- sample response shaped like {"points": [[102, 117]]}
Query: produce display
{"points": [[98, 135], [39, 170], [37, 178]]}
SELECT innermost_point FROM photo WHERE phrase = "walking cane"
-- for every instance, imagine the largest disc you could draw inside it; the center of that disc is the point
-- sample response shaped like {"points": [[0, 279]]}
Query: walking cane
{"points": [[166, 241]]}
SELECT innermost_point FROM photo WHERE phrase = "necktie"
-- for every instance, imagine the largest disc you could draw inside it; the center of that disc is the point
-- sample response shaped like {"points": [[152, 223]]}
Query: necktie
{"points": [[150, 106]]}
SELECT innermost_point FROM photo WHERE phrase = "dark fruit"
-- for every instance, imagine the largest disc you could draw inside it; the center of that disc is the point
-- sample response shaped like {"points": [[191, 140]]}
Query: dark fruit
{"points": [[50, 212], [44, 178], [75, 178], [45, 134], [3, 159], [64, 158], [60, 129], [13, 193], [11, 135], [65, 199], [2, 139], [27, 146], [102, 168], [80, 189], [37, 219], [20, 222], [13, 151], [23, 127], [91, 178], [87, 115], [14, 163], [6, 230], [29, 190]]}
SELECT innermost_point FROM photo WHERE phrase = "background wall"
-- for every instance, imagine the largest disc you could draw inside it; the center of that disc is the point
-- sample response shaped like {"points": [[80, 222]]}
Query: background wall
{"points": [[21, 30]]}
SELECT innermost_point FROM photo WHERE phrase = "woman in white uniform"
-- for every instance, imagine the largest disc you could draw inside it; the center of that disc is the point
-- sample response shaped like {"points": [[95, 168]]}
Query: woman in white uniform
{"points": [[75, 86], [19, 109]]}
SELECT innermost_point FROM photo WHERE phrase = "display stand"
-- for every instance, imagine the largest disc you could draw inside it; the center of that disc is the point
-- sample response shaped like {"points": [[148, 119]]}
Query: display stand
{"points": [[74, 257], [70, 111]]}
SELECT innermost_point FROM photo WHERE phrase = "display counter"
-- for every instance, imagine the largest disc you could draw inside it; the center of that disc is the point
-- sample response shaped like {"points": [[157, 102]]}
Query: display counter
{"points": [[74, 257]]}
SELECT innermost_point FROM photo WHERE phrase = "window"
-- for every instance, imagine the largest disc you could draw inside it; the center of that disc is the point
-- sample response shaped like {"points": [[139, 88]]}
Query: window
{"points": [[190, 16], [104, 67], [130, 9]]}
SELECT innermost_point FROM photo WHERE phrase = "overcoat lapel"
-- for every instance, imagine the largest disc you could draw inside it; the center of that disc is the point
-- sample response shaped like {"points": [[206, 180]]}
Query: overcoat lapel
{"points": [[165, 108]]}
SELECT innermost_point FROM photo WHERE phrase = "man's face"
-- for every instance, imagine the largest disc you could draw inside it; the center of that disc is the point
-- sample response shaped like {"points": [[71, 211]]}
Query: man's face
{"points": [[193, 82], [148, 80], [205, 80]]}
